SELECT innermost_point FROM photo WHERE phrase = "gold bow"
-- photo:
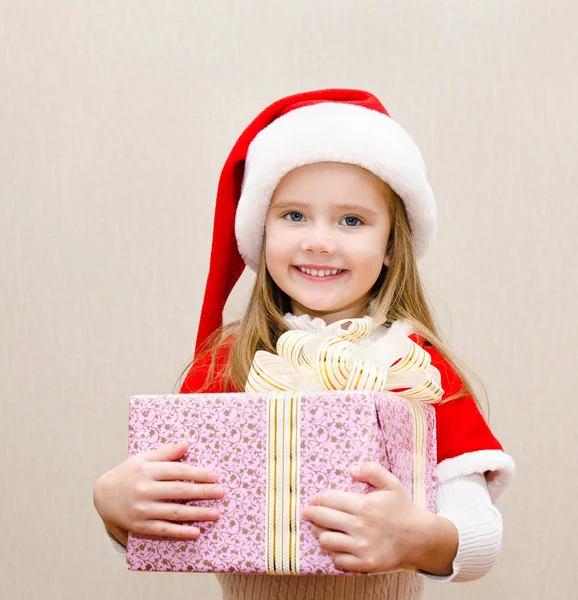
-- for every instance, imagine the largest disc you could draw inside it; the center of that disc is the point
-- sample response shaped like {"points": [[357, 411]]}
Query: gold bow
{"points": [[334, 359]]}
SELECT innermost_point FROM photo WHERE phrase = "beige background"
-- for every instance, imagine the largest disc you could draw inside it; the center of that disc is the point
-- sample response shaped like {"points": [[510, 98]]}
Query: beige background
{"points": [[115, 120]]}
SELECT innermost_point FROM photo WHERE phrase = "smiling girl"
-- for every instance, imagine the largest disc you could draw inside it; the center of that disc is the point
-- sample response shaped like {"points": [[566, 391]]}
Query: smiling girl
{"points": [[326, 198]]}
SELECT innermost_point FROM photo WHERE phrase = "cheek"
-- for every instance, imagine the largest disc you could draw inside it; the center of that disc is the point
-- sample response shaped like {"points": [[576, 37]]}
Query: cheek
{"points": [[368, 253], [276, 254], [280, 241]]}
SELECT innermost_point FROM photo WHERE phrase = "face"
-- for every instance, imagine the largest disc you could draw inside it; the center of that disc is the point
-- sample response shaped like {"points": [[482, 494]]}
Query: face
{"points": [[326, 236]]}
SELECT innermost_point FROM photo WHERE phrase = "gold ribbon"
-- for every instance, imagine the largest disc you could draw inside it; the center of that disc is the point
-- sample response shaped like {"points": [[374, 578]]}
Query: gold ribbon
{"points": [[332, 359], [282, 526]]}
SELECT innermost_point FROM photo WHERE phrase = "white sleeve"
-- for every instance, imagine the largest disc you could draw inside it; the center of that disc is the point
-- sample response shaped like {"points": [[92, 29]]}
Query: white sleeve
{"points": [[466, 502], [119, 548]]}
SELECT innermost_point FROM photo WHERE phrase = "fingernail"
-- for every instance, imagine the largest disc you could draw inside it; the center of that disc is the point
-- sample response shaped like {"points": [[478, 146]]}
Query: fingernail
{"points": [[214, 513], [219, 490], [213, 475]]}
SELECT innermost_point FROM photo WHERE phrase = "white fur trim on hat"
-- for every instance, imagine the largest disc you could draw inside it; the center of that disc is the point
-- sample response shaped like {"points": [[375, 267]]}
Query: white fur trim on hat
{"points": [[497, 466], [333, 132]]}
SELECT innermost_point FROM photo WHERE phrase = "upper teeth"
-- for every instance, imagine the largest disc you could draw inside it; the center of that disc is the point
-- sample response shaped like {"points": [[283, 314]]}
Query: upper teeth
{"points": [[319, 273]]}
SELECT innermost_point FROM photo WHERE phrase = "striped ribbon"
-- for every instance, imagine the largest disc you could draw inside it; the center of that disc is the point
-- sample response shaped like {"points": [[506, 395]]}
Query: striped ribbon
{"points": [[283, 508]]}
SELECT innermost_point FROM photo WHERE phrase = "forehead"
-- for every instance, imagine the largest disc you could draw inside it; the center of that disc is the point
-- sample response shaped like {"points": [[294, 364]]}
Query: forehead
{"points": [[330, 182]]}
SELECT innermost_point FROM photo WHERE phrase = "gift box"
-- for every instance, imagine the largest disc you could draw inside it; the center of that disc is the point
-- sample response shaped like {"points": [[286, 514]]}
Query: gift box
{"points": [[273, 451]]}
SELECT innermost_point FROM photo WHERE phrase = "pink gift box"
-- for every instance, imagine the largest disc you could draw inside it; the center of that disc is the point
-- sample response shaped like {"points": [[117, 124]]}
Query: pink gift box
{"points": [[272, 456]]}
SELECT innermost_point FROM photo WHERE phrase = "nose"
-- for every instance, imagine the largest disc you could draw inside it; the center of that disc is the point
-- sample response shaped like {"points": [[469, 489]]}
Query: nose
{"points": [[318, 240]]}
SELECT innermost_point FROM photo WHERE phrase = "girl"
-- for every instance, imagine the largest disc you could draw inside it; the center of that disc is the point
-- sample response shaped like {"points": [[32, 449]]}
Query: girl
{"points": [[326, 198]]}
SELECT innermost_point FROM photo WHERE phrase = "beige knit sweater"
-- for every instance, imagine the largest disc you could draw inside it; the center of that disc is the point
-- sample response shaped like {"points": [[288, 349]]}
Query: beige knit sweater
{"points": [[406, 586]]}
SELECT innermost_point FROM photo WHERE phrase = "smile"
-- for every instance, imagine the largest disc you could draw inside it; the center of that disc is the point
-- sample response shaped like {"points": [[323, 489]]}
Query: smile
{"points": [[321, 274]]}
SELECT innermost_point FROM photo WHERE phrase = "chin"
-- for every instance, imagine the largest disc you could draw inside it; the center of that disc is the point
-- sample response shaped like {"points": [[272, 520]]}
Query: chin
{"points": [[318, 307]]}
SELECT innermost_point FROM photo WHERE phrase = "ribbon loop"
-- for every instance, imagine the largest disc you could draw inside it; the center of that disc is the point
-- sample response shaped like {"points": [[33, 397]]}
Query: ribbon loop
{"points": [[333, 359]]}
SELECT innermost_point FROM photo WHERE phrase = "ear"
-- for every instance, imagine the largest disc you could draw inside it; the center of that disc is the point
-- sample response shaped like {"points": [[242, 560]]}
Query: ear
{"points": [[386, 260]]}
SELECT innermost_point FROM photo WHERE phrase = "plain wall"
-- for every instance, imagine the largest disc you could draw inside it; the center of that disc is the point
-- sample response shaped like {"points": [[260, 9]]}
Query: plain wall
{"points": [[115, 120]]}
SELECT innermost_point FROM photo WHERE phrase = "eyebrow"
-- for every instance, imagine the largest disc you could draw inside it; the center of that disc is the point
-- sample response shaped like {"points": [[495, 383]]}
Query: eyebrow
{"points": [[345, 207]]}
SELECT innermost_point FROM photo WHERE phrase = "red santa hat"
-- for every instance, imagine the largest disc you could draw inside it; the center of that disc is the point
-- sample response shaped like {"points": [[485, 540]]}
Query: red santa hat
{"points": [[334, 125]]}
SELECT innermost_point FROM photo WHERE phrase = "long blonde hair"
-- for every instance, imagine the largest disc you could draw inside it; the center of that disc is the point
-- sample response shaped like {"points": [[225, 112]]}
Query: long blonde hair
{"points": [[397, 294]]}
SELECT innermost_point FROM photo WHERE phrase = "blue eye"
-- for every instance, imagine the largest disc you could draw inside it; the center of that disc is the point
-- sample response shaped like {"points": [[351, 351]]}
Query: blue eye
{"points": [[351, 221], [299, 216]]}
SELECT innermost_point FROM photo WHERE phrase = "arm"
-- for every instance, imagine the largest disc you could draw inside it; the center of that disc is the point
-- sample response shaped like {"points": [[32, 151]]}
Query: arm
{"points": [[118, 537], [464, 505], [435, 545]]}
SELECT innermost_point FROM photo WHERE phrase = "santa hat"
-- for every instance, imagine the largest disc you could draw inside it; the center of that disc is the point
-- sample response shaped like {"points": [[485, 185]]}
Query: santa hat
{"points": [[334, 125]]}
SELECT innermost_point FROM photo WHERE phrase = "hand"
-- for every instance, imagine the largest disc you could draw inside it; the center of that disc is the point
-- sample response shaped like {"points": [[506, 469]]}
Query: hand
{"points": [[131, 497], [367, 533]]}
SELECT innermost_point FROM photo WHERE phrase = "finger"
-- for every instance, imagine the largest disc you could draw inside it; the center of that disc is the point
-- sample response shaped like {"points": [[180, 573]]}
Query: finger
{"points": [[172, 451], [174, 511], [376, 475], [179, 490], [345, 561], [317, 531], [330, 518], [334, 541], [171, 530], [349, 502], [173, 471]]}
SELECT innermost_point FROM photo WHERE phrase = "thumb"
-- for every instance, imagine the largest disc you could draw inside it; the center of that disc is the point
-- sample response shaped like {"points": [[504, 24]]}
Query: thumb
{"points": [[376, 475], [166, 452]]}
